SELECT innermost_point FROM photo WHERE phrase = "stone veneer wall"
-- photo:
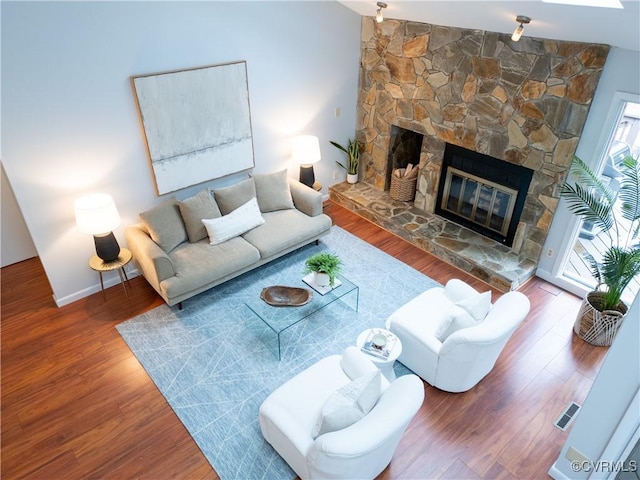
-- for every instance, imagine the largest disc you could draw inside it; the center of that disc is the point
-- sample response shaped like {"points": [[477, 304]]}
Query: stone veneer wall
{"points": [[523, 102]]}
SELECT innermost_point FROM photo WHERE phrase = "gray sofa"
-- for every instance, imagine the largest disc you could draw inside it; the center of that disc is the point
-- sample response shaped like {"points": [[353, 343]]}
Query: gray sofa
{"points": [[181, 256]]}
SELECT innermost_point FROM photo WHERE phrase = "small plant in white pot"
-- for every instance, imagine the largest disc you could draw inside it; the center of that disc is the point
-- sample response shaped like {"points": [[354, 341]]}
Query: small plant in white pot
{"points": [[353, 159], [325, 267]]}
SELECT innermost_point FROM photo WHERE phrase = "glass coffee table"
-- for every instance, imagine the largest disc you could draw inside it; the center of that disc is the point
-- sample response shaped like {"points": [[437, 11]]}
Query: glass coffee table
{"points": [[279, 319]]}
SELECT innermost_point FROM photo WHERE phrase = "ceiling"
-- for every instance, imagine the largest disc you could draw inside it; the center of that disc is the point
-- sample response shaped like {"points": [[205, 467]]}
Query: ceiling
{"points": [[615, 27]]}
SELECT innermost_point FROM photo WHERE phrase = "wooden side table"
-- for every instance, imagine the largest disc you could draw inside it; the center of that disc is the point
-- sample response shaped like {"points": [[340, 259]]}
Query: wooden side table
{"points": [[100, 266]]}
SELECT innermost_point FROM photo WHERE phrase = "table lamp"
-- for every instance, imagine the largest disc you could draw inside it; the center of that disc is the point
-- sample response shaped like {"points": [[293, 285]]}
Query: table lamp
{"points": [[96, 214], [305, 150]]}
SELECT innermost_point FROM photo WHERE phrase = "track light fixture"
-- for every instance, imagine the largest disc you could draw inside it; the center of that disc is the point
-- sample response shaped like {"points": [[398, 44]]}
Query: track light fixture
{"points": [[517, 33], [379, 17]]}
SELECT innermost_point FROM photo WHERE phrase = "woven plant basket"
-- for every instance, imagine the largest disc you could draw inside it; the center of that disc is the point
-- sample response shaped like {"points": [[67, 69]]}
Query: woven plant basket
{"points": [[596, 327], [403, 189]]}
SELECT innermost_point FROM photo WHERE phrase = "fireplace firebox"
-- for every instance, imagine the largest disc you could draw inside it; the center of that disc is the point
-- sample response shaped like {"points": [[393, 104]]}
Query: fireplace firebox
{"points": [[482, 193], [404, 149]]}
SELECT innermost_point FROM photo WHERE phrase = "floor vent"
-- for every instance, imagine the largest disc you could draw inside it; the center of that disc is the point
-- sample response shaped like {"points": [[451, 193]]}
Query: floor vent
{"points": [[567, 416]]}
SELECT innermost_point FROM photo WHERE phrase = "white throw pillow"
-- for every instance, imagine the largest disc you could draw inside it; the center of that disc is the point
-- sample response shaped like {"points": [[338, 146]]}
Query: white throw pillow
{"points": [[477, 305], [442, 331], [239, 221], [349, 404], [459, 319], [465, 313]]}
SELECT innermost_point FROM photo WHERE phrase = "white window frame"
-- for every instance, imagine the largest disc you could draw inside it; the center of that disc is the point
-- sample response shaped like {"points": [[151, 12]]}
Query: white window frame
{"points": [[596, 162]]}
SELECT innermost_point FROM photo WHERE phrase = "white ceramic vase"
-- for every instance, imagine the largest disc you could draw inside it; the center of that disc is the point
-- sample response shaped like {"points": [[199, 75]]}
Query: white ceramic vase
{"points": [[321, 279], [352, 178]]}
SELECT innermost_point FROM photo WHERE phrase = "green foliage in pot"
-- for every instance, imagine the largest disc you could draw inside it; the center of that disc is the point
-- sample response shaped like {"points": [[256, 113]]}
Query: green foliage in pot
{"points": [[594, 201], [353, 155], [324, 262]]}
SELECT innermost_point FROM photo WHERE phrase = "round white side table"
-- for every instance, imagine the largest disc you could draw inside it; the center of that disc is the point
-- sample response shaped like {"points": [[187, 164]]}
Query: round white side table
{"points": [[384, 364]]}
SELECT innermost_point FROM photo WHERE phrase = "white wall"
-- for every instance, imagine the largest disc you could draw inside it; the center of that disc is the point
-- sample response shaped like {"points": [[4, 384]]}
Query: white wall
{"points": [[69, 121], [620, 74], [14, 236], [606, 404]]}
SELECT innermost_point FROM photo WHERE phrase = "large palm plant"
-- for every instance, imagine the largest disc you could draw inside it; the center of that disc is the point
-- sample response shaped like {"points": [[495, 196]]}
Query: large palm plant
{"points": [[595, 202]]}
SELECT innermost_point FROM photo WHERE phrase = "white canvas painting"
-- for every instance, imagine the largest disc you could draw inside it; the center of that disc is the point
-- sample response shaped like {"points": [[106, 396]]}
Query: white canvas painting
{"points": [[197, 124]]}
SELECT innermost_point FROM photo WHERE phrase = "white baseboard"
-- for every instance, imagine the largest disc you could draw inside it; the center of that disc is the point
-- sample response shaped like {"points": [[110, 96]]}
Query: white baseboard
{"points": [[556, 474], [114, 280], [564, 283]]}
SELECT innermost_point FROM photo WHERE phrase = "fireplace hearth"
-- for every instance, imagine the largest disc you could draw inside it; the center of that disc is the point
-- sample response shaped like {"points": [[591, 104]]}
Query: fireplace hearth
{"points": [[482, 193], [482, 257]]}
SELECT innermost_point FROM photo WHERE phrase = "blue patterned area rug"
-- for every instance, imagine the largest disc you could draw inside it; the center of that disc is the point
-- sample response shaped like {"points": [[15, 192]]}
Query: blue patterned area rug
{"points": [[215, 362]]}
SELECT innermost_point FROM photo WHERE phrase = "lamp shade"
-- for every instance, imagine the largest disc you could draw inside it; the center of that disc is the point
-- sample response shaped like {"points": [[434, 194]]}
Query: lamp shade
{"points": [[96, 214], [305, 149]]}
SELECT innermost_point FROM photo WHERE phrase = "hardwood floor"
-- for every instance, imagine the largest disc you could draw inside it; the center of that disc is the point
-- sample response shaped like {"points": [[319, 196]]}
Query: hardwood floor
{"points": [[77, 404]]}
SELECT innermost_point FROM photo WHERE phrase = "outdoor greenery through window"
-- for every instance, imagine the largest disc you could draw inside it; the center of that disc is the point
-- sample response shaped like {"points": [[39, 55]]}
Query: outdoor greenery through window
{"points": [[626, 142]]}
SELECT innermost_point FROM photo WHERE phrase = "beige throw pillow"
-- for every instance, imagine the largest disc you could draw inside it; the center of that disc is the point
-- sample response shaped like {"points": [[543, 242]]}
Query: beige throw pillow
{"points": [[165, 225], [273, 191], [231, 197], [194, 209]]}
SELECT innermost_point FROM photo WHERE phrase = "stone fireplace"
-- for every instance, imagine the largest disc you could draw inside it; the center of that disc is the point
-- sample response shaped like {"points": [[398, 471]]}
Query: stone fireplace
{"points": [[523, 103]]}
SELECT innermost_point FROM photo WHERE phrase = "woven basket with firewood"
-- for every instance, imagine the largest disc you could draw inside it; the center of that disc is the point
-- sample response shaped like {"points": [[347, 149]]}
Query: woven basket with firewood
{"points": [[403, 183]]}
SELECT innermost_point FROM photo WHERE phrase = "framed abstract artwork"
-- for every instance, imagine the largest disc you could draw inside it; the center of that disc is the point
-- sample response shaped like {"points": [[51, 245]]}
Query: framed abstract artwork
{"points": [[196, 123]]}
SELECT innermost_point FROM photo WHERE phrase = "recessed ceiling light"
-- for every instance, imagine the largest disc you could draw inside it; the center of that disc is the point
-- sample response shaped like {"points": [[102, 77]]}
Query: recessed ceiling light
{"points": [[589, 3]]}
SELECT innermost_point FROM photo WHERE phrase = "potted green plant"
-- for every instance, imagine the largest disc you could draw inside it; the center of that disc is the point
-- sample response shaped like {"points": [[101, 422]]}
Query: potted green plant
{"points": [[325, 267], [353, 159], [594, 201]]}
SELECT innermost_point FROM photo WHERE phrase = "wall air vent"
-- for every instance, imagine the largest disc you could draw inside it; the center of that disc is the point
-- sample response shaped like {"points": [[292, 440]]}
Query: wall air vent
{"points": [[567, 416]]}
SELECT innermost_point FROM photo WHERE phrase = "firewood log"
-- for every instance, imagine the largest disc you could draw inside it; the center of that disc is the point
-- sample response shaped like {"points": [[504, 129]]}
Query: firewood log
{"points": [[407, 172]]}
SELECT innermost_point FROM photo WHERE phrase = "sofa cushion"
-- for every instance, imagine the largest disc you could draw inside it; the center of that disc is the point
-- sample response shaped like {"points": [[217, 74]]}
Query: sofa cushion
{"points": [[273, 191], [349, 404], [199, 264], [194, 209], [239, 221], [285, 229], [231, 197], [165, 224]]}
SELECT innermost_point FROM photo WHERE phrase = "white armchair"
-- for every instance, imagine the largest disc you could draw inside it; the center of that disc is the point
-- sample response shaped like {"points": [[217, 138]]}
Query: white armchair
{"points": [[362, 450], [446, 355]]}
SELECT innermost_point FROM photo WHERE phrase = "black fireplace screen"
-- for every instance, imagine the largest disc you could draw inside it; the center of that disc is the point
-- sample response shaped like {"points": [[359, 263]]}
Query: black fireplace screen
{"points": [[480, 201], [482, 193]]}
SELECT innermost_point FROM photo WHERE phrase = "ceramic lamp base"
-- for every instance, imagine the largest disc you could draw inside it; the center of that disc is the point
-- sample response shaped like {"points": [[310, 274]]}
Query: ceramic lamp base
{"points": [[107, 247], [307, 176]]}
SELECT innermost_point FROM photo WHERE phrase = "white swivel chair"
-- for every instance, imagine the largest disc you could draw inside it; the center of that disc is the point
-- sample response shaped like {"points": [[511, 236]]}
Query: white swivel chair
{"points": [[448, 356], [362, 450]]}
